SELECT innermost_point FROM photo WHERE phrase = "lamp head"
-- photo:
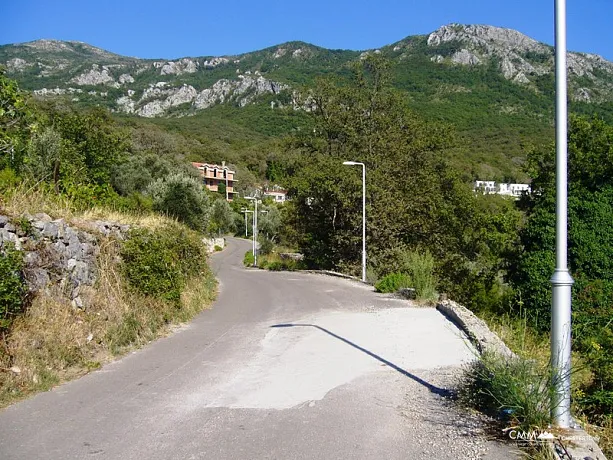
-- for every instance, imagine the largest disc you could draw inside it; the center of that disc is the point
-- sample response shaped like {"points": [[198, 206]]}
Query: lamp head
{"points": [[350, 163]]}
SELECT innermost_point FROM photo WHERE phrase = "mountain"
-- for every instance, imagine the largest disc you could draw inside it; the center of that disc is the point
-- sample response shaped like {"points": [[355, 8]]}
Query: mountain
{"points": [[495, 85]]}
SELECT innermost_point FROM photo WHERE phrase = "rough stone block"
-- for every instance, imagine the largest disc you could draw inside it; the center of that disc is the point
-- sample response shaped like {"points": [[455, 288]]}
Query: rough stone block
{"points": [[37, 279], [51, 230], [31, 258], [41, 216]]}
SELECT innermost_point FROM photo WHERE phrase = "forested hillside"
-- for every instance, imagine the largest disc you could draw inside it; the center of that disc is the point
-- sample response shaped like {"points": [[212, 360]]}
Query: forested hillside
{"points": [[494, 86]]}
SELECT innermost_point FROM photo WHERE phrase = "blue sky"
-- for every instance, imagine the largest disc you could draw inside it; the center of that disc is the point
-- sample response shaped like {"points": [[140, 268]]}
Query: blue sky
{"points": [[171, 29]]}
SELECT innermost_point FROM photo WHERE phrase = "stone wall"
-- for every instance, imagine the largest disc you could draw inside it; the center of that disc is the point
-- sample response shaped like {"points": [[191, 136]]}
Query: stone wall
{"points": [[210, 243], [59, 258]]}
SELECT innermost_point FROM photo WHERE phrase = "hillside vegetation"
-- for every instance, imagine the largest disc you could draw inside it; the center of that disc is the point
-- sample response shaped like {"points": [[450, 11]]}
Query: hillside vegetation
{"points": [[62, 171], [494, 85]]}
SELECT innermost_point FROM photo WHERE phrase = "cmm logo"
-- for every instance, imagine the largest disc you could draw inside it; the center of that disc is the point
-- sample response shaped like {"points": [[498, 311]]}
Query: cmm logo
{"points": [[531, 436]]}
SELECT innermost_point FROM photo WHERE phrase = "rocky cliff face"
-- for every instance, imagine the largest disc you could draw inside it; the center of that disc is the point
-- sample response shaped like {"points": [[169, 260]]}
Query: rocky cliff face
{"points": [[521, 59]]}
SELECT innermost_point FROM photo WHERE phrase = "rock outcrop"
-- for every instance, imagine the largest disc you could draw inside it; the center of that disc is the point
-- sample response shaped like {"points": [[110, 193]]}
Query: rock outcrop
{"points": [[160, 97], [96, 76], [520, 56]]}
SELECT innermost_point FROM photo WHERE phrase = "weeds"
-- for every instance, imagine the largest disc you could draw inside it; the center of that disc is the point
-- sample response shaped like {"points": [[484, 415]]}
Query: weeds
{"points": [[13, 289], [274, 262], [514, 390], [420, 268], [249, 259]]}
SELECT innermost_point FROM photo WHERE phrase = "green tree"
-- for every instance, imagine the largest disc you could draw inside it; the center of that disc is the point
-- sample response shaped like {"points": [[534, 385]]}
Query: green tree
{"points": [[16, 123], [183, 198], [414, 198], [590, 248], [222, 218], [100, 144], [138, 171], [51, 159]]}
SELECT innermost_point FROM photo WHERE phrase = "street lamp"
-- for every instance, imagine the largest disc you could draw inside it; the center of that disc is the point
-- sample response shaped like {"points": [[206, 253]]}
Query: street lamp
{"points": [[355, 163], [561, 280], [255, 228], [246, 211]]}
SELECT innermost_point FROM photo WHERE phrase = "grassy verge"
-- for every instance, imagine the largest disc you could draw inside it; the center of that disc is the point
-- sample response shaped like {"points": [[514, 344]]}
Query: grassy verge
{"points": [[517, 392], [273, 262], [52, 341]]}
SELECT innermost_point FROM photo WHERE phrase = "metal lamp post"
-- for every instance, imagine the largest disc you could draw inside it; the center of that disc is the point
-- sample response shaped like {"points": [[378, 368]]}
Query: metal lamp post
{"points": [[561, 280], [355, 163], [246, 211], [255, 228]]}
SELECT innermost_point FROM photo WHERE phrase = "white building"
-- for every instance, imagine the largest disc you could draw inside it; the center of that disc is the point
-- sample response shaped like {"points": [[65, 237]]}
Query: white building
{"points": [[513, 189], [489, 186], [486, 186], [280, 196]]}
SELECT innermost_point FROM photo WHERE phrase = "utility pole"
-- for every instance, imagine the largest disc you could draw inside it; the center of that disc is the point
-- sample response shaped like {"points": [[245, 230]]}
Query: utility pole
{"points": [[561, 280]]}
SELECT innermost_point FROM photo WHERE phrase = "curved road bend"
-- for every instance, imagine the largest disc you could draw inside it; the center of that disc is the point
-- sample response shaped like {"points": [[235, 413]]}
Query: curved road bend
{"points": [[284, 366]]}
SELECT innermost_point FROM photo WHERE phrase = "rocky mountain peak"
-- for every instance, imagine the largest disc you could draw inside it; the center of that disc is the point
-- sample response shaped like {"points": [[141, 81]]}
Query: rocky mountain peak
{"points": [[488, 37]]}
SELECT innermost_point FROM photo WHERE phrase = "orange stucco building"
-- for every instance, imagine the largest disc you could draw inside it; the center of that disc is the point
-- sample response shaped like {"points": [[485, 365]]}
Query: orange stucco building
{"points": [[212, 175]]}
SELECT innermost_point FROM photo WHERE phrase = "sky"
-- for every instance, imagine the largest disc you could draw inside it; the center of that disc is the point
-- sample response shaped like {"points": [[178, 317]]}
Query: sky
{"points": [[173, 29]]}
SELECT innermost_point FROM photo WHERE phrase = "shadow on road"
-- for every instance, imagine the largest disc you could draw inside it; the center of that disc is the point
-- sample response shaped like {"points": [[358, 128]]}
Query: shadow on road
{"points": [[434, 389]]}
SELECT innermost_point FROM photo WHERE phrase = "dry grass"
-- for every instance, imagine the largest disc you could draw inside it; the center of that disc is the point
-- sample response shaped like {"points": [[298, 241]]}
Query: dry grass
{"points": [[602, 431], [32, 199], [54, 342]]}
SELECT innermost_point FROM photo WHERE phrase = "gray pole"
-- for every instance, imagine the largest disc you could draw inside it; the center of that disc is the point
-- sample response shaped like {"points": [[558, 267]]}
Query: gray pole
{"points": [[245, 224], [255, 234], [561, 280], [363, 222]]}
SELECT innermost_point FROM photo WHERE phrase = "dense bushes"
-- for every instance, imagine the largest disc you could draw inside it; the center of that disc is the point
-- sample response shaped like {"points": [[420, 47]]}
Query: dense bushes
{"points": [[393, 282], [590, 252], [183, 198], [249, 259], [159, 263], [13, 288]]}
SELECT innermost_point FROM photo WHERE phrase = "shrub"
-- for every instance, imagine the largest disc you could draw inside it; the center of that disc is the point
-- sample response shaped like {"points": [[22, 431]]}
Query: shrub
{"points": [[249, 260], [393, 282], [266, 246], [218, 248], [158, 263], [513, 389], [13, 289], [420, 266], [8, 179]]}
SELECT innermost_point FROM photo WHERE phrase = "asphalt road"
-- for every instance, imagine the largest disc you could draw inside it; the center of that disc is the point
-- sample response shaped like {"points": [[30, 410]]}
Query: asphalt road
{"points": [[284, 366]]}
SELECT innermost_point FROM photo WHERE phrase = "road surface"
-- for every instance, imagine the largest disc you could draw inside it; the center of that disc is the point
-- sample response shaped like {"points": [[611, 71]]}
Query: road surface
{"points": [[284, 366]]}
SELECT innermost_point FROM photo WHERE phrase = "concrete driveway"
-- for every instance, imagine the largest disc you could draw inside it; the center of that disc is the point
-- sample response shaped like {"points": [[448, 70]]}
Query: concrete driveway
{"points": [[285, 366]]}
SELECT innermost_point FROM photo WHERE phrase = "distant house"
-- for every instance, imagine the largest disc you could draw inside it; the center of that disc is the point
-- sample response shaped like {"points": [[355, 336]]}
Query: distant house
{"points": [[513, 189], [212, 175], [485, 186], [488, 186], [278, 194]]}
